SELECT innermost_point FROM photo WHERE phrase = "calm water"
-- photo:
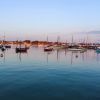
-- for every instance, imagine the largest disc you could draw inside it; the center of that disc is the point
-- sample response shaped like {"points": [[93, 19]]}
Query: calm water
{"points": [[59, 75]]}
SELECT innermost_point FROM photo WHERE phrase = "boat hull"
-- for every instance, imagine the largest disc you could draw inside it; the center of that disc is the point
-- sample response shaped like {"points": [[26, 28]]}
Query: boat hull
{"points": [[7, 46], [21, 50], [48, 49], [98, 50]]}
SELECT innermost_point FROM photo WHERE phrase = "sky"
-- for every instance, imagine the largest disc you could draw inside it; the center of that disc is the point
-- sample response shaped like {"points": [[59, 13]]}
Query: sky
{"points": [[35, 19]]}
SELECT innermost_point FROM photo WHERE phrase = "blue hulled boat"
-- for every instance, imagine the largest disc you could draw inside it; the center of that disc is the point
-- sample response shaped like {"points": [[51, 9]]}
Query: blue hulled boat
{"points": [[98, 50]]}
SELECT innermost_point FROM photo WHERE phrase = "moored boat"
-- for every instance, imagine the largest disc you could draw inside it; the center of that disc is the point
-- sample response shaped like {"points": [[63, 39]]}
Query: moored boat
{"points": [[48, 49], [20, 50], [7, 46], [77, 49], [3, 48], [74, 49], [98, 50]]}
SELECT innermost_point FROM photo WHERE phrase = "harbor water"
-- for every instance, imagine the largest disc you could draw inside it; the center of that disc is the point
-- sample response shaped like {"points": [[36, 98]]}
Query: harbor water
{"points": [[56, 75]]}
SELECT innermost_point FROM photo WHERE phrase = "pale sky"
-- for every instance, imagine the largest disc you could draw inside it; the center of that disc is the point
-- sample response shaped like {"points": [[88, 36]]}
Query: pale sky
{"points": [[35, 19]]}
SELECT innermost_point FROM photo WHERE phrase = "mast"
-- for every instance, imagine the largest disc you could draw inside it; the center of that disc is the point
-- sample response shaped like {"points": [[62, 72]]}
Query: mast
{"points": [[72, 39], [58, 40], [47, 40], [4, 39], [20, 44]]}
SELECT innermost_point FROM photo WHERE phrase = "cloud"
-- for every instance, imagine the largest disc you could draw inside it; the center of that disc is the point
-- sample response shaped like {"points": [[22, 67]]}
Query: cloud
{"points": [[94, 32]]}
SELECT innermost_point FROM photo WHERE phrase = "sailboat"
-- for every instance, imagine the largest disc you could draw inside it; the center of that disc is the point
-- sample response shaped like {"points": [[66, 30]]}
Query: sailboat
{"points": [[75, 47], [21, 49], [48, 47], [59, 45], [4, 45]]}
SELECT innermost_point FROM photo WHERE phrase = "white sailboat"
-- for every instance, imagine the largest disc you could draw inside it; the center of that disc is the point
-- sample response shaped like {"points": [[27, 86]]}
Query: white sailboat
{"points": [[75, 47]]}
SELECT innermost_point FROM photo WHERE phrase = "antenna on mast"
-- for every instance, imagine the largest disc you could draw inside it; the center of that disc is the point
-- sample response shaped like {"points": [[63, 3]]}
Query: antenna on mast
{"points": [[4, 38], [47, 38], [58, 40]]}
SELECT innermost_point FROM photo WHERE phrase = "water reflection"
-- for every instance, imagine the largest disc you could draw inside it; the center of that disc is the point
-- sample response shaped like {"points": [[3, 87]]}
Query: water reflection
{"points": [[60, 56], [42, 74], [2, 56], [98, 57], [74, 57]]}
